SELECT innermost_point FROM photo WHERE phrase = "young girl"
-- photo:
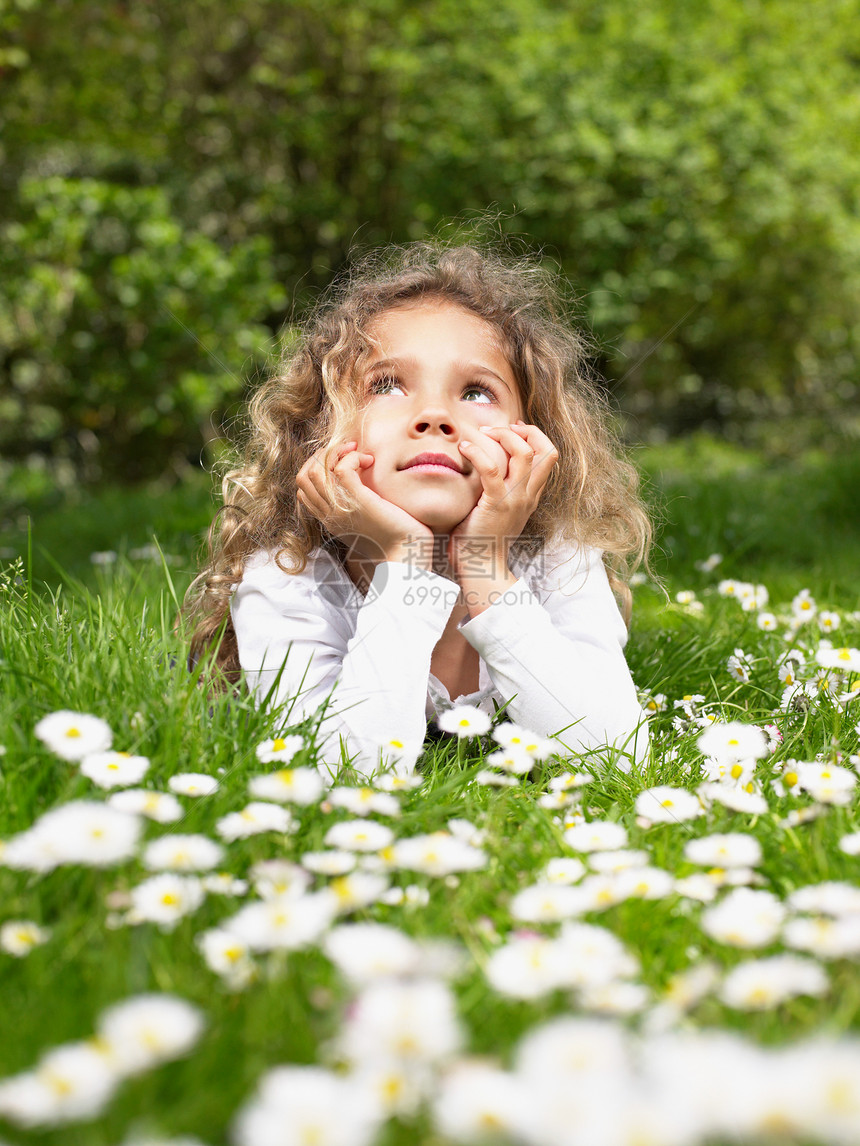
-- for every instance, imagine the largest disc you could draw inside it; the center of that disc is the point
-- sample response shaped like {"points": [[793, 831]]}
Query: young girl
{"points": [[431, 512]]}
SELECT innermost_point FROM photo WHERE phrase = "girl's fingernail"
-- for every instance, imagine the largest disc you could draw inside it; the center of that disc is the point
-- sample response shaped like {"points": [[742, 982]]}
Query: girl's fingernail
{"points": [[486, 429], [465, 445]]}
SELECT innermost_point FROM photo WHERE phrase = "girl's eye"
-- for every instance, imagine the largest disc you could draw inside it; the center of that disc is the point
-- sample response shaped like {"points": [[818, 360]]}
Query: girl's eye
{"points": [[382, 385], [480, 388]]}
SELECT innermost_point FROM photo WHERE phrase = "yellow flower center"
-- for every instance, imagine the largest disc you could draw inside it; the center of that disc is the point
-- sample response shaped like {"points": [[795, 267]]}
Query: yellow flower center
{"points": [[60, 1086], [72, 733], [278, 745], [392, 1088]]}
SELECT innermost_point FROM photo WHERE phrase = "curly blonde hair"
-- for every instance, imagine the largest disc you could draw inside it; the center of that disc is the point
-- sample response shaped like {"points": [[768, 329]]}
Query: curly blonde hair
{"points": [[315, 396]]}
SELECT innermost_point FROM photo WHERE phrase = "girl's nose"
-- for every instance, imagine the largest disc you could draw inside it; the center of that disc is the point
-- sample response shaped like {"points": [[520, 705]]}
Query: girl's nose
{"points": [[434, 416]]}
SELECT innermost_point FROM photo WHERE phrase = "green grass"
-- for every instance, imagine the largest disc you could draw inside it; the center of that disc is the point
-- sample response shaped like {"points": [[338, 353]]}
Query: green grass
{"points": [[101, 640]]}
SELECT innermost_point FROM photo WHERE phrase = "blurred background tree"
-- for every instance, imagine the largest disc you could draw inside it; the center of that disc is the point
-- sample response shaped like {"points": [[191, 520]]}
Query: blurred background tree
{"points": [[179, 181]]}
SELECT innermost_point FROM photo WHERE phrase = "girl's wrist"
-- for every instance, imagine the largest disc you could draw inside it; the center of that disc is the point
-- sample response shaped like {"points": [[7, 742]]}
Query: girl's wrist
{"points": [[479, 558], [414, 551]]}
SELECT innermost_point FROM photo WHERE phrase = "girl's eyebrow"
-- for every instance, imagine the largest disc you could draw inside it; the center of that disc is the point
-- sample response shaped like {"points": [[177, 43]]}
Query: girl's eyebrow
{"points": [[463, 367]]}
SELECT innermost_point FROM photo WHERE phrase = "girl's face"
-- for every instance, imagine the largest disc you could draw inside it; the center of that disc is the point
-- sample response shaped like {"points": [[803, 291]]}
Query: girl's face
{"points": [[437, 376]]}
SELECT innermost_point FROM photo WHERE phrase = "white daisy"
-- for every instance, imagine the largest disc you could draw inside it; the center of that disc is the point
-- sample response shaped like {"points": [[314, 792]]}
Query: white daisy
{"points": [[829, 938], [254, 819], [285, 922], [367, 951], [364, 801], [846, 659], [513, 760], [193, 784], [114, 769], [850, 844], [328, 862], [223, 883], [476, 1099], [667, 805], [610, 863], [302, 786], [733, 741], [72, 735], [526, 967], [391, 782], [745, 918], [165, 899], [761, 983], [158, 806], [412, 1021], [465, 720], [182, 853], [357, 889], [226, 955], [738, 799], [84, 832], [282, 749], [359, 836], [568, 780], [547, 903], [833, 897], [739, 666], [70, 1083], [514, 736], [303, 1105], [145, 1030], [18, 937], [438, 853], [617, 998], [733, 849], [598, 835], [495, 780], [563, 870]]}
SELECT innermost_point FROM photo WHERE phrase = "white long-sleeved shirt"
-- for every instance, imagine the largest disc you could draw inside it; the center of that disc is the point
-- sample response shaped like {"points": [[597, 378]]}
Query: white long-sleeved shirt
{"points": [[552, 646]]}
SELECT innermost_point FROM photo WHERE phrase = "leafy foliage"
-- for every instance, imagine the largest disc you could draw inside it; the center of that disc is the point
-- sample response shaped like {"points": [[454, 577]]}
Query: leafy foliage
{"points": [[690, 167], [110, 319]]}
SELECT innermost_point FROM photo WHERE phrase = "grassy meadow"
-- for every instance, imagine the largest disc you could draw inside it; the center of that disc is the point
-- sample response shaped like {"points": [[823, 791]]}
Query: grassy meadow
{"points": [[560, 963]]}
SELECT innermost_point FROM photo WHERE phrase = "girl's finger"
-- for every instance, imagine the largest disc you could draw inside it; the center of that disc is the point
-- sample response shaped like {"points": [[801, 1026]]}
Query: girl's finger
{"points": [[340, 452], [510, 441], [545, 453], [313, 505], [492, 475]]}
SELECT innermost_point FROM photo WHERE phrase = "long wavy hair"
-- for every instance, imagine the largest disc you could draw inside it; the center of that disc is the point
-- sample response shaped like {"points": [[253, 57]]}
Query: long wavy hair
{"points": [[316, 393]]}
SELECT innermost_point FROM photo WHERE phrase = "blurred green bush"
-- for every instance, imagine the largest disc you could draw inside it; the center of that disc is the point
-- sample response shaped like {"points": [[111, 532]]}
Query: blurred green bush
{"points": [[122, 329]]}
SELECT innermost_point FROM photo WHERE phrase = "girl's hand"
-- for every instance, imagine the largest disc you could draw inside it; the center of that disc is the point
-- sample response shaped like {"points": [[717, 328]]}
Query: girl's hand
{"points": [[377, 529], [508, 499]]}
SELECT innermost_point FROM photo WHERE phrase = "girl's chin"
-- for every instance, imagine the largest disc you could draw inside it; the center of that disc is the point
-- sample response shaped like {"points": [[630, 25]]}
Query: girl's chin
{"points": [[439, 521]]}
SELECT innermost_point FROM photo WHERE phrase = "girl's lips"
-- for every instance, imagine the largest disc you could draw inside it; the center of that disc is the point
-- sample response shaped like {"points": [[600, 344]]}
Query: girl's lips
{"points": [[431, 468]]}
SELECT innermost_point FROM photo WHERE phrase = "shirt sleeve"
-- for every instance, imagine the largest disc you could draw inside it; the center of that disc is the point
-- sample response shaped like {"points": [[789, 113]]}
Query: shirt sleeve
{"points": [[297, 650], [556, 647]]}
